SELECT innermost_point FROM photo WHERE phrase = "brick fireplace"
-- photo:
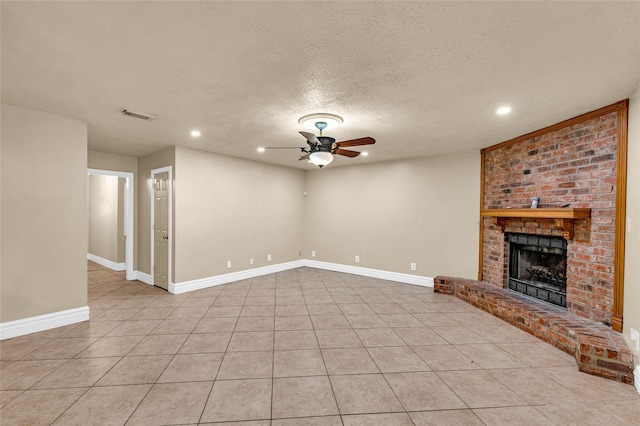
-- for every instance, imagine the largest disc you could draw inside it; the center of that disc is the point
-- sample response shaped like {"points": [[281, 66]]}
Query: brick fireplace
{"points": [[573, 242], [574, 166]]}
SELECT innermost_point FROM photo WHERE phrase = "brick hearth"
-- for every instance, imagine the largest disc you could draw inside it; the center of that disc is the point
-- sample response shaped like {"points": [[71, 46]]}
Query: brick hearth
{"points": [[598, 349]]}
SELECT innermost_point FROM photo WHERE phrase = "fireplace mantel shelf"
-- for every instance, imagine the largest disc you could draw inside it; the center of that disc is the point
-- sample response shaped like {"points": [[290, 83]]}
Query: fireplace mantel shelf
{"points": [[563, 218]]}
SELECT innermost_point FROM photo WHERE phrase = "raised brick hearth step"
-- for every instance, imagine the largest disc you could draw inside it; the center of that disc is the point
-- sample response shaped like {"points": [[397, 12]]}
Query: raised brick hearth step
{"points": [[598, 349]]}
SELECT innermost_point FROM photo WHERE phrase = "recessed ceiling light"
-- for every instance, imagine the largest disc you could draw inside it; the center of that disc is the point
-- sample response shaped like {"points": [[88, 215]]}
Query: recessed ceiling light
{"points": [[261, 149], [364, 153], [503, 110], [310, 120], [195, 133]]}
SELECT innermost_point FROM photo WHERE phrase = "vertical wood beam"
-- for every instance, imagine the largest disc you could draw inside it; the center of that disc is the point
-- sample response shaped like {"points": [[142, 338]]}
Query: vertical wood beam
{"points": [[481, 233], [621, 215]]}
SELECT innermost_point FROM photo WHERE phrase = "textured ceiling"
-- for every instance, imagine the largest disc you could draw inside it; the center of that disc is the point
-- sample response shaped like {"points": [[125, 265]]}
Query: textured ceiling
{"points": [[423, 78]]}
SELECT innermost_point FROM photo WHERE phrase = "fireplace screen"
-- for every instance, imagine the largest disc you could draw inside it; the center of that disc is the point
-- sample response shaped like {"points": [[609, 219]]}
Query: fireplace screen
{"points": [[538, 267]]}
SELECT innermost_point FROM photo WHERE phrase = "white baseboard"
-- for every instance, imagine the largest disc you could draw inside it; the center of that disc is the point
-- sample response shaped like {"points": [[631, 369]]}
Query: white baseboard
{"points": [[106, 262], [187, 286], [30, 325], [636, 377], [184, 287], [373, 273], [58, 319], [145, 278]]}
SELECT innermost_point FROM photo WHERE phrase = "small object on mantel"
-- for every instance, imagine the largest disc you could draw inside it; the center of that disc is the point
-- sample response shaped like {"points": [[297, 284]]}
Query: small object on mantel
{"points": [[534, 202], [566, 205]]}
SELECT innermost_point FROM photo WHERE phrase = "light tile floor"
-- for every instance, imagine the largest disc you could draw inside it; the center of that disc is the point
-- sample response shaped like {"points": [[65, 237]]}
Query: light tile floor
{"points": [[302, 347]]}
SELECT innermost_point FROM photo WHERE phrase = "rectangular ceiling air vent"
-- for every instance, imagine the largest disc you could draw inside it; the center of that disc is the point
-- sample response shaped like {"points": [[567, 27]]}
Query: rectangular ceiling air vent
{"points": [[139, 114]]}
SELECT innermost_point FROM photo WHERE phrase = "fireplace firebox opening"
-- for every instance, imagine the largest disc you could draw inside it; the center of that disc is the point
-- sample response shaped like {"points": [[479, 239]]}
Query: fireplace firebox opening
{"points": [[538, 267]]}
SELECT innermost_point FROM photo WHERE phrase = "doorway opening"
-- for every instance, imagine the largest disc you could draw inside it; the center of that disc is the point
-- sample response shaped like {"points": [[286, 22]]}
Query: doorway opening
{"points": [[126, 230]]}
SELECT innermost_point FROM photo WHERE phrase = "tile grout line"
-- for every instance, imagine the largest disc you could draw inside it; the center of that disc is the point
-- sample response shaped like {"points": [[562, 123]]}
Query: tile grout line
{"points": [[333, 393], [223, 356], [164, 369], [273, 348]]}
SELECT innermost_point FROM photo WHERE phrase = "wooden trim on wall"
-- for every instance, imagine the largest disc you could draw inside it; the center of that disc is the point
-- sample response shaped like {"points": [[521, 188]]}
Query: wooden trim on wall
{"points": [[618, 106], [622, 109], [481, 233], [621, 215]]}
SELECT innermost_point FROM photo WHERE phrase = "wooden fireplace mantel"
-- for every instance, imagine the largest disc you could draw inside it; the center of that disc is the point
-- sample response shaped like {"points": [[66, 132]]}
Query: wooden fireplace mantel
{"points": [[563, 218]]}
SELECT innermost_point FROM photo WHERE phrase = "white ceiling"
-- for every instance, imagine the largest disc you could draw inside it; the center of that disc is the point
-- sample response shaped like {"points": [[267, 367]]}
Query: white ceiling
{"points": [[423, 78]]}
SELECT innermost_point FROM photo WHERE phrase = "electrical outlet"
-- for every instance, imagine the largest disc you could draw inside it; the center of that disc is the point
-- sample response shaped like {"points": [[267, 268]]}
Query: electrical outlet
{"points": [[313, 253], [635, 337], [357, 259], [251, 261], [268, 258], [413, 266], [228, 264]]}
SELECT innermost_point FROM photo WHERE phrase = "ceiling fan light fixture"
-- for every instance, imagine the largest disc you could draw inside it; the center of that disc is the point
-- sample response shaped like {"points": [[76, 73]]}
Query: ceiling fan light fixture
{"points": [[321, 158], [310, 120]]}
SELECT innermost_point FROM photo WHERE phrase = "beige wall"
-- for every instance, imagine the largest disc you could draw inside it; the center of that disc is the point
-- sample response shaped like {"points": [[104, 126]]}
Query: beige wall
{"points": [[112, 162], [162, 158], [120, 163], [103, 216], [632, 251], [44, 213], [233, 209], [391, 214]]}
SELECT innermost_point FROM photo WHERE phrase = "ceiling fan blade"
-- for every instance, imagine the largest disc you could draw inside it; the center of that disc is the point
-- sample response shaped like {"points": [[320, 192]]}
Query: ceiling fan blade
{"points": [[304, 157], [356, 142], [311, 138], [286, 147], [346, 152]]}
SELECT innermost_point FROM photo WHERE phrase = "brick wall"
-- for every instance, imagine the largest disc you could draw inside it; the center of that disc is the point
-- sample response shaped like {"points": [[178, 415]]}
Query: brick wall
{"points": [[574, 165]]}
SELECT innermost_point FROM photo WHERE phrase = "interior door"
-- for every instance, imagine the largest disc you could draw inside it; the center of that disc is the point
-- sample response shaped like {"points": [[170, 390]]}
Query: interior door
{"points": [[161, 230]]}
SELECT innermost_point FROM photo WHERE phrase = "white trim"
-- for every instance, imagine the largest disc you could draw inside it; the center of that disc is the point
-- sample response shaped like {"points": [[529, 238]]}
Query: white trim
{"points": [[129, 230], [44, 322], [374, 273], [636, 377], [199, 284], [109, 173], [106, 262], [144, 277], [168, 169]]}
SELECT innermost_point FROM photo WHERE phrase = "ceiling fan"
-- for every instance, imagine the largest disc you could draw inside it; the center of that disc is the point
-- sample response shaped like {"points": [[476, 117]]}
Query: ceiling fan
{"points": [[321, 149]]}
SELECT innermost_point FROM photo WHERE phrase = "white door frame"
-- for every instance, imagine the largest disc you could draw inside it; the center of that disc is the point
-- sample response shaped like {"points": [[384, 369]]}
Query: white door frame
{"points": [[128, 215], [154, 172]]}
